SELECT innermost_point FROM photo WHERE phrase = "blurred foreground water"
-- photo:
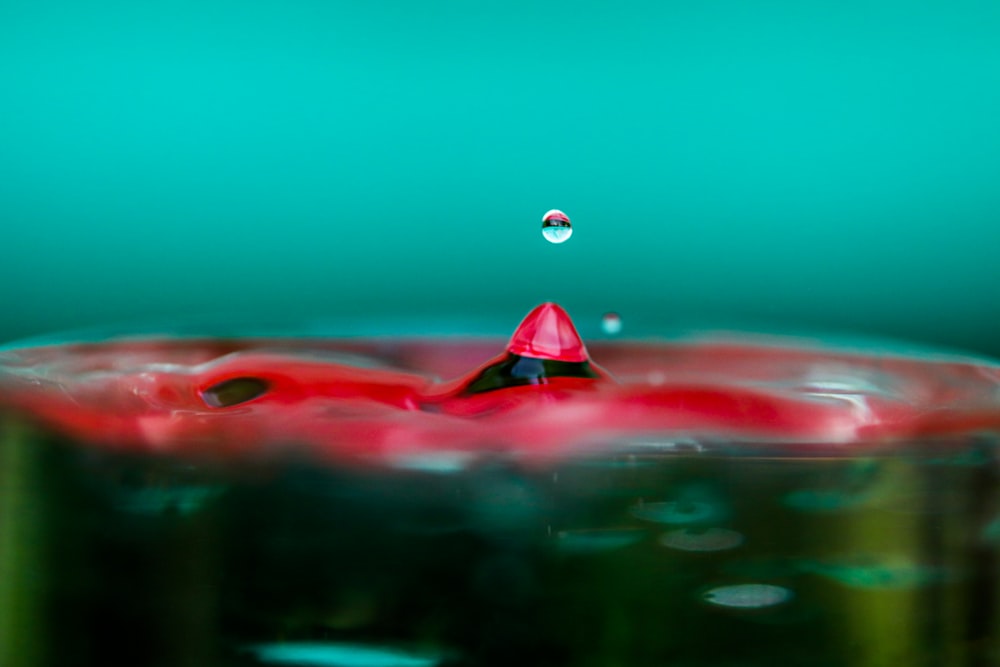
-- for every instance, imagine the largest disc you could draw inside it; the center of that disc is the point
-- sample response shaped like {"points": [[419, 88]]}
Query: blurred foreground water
{"points": [[109, 558]]}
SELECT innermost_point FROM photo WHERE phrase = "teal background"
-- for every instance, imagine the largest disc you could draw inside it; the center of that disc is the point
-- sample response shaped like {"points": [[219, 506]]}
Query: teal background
{"points": [[772, 164]]}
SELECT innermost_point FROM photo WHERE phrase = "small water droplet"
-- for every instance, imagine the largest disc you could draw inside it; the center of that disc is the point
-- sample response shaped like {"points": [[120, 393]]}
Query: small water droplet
{"points": [[611, 324], [747, 596], [556, 227]]}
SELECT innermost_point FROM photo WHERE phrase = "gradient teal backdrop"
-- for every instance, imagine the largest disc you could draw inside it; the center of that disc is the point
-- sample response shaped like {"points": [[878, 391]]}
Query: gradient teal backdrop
{"points": [[829, 165]]}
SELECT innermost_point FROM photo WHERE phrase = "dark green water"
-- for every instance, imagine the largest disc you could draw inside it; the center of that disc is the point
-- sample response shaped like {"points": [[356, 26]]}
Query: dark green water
{"points": [[716, 557]]}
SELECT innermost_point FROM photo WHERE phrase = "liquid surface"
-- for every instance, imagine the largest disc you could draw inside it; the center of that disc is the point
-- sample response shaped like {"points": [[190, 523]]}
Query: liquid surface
{"points": [[544, 398]]}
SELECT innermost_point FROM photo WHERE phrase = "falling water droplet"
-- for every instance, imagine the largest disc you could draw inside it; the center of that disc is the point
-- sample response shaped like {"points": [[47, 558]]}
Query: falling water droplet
{"points": [[556, 227], [611, 324]]}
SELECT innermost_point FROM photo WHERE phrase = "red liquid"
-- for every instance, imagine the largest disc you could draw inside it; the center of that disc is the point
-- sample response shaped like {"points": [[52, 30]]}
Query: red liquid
{"points": [[390, 403]]}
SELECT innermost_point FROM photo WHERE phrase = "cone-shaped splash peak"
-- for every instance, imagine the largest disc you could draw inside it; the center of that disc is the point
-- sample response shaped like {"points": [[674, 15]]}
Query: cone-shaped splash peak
{"points": [[548, 333], [545, 346]]}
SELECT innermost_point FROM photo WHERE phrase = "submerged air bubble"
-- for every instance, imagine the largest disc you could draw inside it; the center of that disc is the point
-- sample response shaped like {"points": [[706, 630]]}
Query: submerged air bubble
{"points": [[747, 596], [556, 227]]}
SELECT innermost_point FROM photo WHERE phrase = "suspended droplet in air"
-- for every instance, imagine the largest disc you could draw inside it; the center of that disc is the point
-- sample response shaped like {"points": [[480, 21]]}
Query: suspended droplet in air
{"points": [[611, 324], [556, 227]]}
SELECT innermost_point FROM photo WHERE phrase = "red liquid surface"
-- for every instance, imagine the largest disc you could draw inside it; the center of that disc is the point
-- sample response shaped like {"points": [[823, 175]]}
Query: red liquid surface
{"points": [[240, 503], [410, 402]]}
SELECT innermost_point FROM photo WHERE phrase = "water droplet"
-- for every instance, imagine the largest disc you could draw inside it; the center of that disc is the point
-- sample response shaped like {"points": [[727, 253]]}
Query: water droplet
{"points": [[680, 512], [747, 596], [695, 539], [611, 324], [234, 391], [556, 227]]}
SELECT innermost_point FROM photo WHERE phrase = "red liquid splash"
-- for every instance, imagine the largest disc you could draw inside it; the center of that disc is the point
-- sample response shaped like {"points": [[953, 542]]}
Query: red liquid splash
{"points": [[345, 402], [548, 333]]}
